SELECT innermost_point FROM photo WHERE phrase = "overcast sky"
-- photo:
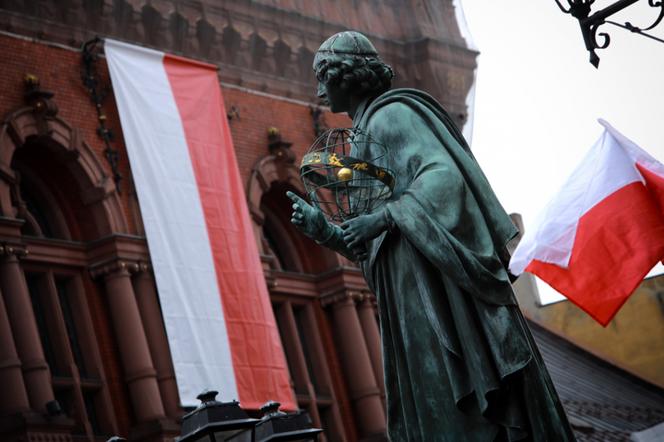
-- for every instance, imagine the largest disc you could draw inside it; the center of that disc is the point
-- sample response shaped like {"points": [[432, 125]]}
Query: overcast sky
{"points": [[537, 98]]}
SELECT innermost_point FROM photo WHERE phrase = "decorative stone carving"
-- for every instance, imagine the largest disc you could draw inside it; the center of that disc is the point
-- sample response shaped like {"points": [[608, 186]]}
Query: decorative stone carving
{"points": [[179, 27], [261, 46], [206, 34], [42, 106], [357, 296], [153, 24], [278, 147], [231, 41], [39, 120], [17, 250], [115, 266]]}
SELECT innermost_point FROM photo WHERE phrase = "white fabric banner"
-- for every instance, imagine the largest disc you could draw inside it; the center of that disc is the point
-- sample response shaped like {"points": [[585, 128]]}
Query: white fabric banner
{"points": [[174, 222]]}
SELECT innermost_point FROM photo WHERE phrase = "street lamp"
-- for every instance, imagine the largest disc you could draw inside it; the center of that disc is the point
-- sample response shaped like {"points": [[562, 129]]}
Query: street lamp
{"points": [[580, 9], [277, 426], [215, 421]]}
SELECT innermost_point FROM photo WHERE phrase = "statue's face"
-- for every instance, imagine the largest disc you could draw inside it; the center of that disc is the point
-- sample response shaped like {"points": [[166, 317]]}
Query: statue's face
{"points": [[337, 98]]}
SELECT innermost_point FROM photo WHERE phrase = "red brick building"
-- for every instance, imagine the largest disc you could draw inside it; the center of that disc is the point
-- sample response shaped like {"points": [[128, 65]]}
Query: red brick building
{"points": [[80, 323]]}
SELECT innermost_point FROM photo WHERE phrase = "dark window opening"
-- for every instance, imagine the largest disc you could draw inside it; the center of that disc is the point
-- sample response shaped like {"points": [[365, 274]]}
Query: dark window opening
{"points": [[60, 329], [286, 263], [38, 215], [89, 398], [304, 334], [38, 307], [63, 297]]}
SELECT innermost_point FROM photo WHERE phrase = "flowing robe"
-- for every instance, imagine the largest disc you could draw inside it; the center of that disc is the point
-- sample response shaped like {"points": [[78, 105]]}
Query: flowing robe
{"points": [[460, 363]]}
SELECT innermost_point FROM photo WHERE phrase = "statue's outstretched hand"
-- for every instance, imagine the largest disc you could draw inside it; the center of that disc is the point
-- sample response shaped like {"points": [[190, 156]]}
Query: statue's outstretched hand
{"points": [[308, 219]]}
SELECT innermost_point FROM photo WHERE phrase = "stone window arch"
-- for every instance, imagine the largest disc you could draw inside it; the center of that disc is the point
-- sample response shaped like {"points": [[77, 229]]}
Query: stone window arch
{"points": [[54, 138], [57, 197]]}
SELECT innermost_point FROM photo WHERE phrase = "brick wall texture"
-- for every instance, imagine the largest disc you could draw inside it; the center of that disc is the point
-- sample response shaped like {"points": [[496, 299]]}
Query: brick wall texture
{"points": [[59, 71]]}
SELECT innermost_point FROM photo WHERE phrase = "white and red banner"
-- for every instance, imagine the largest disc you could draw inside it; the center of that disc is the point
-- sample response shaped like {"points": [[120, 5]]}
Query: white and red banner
{"points": [[216, 308], [604, 230]]}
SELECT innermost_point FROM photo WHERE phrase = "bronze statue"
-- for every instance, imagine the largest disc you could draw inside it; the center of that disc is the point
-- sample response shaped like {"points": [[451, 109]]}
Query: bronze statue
{"points": [[460, 363]]}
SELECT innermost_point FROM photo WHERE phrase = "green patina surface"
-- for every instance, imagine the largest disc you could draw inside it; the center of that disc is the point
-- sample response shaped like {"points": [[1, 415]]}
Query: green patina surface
{"points": [[460, 363]]}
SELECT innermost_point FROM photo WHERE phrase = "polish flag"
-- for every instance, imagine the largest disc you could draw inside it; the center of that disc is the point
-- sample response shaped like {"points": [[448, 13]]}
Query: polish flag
{"points": [[219, 321], [603, 232]]}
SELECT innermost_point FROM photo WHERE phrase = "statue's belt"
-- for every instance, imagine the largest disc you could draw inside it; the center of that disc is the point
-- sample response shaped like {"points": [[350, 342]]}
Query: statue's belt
{"points": [[318, 160]]}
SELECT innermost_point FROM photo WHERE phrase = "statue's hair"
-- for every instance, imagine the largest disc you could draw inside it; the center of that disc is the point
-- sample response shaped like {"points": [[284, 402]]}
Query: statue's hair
{"points": [[359, 75]]}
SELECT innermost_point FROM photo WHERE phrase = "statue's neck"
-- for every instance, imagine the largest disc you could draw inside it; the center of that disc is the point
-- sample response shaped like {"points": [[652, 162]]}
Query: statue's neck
{"points": [[357, 107]]}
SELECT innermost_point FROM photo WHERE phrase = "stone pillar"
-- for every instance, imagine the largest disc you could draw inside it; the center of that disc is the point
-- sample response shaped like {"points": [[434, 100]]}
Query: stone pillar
{"points": [[140, 375], [292, 340], [15, 398], [24, 328], [356, 361], [369, 323], [148, 305]]}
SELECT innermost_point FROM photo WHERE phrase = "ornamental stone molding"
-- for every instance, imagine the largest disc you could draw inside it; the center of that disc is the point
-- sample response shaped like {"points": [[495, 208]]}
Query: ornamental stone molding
{"points": [[8, 250], [38, 122], [337, 297], [118, 254], [268, 45], [116, 266]]}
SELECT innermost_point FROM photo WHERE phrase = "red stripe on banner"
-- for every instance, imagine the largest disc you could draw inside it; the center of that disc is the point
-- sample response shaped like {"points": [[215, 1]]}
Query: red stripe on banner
{"points": [[258, 359], [617, 242]]}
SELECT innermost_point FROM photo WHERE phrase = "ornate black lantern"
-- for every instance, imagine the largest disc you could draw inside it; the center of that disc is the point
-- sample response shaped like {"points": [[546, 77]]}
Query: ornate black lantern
{"points": [[215, 421], [590, 22], [277, 426]]}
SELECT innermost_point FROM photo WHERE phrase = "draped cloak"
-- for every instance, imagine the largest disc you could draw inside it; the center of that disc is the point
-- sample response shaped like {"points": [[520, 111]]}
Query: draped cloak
{"points": [[459, 360]]}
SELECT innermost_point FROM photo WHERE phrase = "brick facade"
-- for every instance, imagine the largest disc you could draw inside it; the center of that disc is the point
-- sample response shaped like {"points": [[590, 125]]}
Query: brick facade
{"points": [[120, 384], [252, 113]]}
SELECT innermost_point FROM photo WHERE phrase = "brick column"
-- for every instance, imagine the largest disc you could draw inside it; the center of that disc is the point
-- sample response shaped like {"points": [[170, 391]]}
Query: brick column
{"points": [[140, 375], [369, 323], [24, 328], [15, 398], [148, 305], [356, 361]]}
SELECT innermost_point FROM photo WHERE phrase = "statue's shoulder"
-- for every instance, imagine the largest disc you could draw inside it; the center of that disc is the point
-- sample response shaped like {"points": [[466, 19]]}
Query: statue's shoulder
{"points": [[388, 105], [393, 112], [408, 96], [389, 121], [397, 102], [396, 110]]}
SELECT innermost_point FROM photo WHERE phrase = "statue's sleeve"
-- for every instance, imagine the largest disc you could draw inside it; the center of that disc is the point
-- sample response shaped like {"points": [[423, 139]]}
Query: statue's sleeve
{"points": [[433, 206]]}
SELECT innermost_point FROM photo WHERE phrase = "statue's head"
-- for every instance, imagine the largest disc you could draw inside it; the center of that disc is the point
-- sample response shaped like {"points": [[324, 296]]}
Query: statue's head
{"points": [[346, 65]]}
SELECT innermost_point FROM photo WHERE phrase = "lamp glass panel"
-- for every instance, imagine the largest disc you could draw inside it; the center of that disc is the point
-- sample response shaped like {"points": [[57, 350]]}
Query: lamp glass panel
{"points": [[230, 435]]}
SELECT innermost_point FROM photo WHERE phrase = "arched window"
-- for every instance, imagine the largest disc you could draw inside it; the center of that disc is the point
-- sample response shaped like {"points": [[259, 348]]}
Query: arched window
{"points": [[49, 202], [79, 317], [38, 198]]}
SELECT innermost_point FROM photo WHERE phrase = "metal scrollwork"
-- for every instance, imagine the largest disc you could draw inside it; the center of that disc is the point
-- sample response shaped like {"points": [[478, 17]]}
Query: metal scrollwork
{"points": [[590, 23], [98, 93]]}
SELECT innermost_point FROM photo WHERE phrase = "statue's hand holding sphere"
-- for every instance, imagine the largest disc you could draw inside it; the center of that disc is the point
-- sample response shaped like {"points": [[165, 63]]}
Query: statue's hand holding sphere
{"points": [[361, 229]]}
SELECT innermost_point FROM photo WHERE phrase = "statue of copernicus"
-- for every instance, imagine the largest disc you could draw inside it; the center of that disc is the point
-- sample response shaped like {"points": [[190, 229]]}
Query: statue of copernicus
{"points": [[459, 360]]}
